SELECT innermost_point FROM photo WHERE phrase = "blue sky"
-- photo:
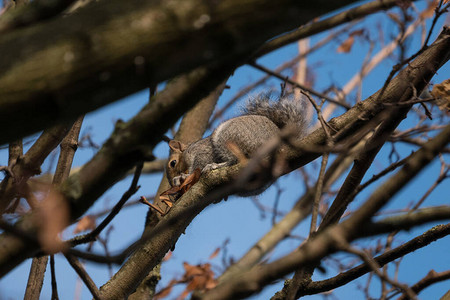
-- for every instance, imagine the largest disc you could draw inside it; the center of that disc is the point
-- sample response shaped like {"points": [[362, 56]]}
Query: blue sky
{"points": [[238, 219]]}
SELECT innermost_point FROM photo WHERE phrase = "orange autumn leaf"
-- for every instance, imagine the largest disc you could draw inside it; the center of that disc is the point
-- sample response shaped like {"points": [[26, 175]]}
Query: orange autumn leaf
{"points": [[191, 270], [215, 253], [346, 45], [168, 202], [184, 187], [86, 223], [178, 191], [199, 277], [191, 180], [358, 32], [172, 191]]}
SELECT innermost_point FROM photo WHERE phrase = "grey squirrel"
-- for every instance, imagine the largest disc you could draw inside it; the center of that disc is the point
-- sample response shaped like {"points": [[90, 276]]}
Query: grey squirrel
{"points": [[261, 120]]}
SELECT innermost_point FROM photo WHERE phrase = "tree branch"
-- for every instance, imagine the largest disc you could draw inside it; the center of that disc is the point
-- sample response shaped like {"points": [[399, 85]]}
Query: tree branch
{"points": [[418, 242], [196, 31]]}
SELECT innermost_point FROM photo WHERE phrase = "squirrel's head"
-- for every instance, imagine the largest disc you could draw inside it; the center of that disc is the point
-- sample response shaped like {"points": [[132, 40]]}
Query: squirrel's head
{"points": [[176, 164]]}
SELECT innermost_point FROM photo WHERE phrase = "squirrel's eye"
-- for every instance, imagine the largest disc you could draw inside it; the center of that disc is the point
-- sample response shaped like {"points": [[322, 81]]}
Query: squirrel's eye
{"points": [[173, 163]]}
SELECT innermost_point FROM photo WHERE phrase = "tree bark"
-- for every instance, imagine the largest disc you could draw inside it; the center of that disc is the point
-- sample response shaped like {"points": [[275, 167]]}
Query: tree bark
{"points": [[60, 69]]}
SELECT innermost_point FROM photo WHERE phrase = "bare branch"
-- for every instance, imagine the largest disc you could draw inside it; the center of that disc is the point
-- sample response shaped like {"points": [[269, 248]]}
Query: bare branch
{"points": [[78, 267], [431, 278], [345, 277]]}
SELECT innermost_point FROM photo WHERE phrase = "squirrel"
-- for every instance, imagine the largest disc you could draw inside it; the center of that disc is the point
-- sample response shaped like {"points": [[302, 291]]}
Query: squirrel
{"points": [[262, 119]]}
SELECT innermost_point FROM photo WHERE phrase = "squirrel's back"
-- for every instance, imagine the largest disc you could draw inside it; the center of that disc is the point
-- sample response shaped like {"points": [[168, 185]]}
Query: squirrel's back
{"points": [[262, 119], [287, 110]]}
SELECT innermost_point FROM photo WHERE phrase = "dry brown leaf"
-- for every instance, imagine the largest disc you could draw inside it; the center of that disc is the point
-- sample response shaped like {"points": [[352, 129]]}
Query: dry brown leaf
{"points": [[191, 270], [166, 199], [168, 202], [183, 188], [358, 32], [184, 294], [190, 180], [172, 191], [86, 223], [199, 277], [215, 253], [346, 45], [441, 92], [210, 283]]}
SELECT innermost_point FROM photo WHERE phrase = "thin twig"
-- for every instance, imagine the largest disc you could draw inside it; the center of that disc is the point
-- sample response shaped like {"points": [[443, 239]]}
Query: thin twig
{"points": [[418, 242], [318, 194], [293, 83], [429, 279], [375, 267], [116, 209], [78, 267], [54, 285]]}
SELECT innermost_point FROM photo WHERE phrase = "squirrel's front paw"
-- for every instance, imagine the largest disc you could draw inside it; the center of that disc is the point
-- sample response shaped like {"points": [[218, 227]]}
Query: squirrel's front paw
{"points": [[213, 166], [178, 180]]}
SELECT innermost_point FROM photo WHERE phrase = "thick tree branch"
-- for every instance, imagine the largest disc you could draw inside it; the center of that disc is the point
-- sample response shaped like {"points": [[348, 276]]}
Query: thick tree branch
{"points": [[39, 264], [192, 128], [109, 49], [36, 278], [130, 143], [31, 13]]}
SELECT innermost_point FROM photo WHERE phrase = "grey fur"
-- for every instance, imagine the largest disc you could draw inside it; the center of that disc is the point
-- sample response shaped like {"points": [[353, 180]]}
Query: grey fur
{"points": [[262, 119], [287, 110]]}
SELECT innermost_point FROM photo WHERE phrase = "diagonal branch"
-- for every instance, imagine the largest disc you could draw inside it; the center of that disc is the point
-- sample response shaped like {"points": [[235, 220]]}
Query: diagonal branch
{"points": [[78, 267], [418, 242], [130, 142]]}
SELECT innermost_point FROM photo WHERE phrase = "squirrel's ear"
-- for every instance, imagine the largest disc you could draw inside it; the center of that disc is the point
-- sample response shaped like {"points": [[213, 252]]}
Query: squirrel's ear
{"points": [[177, 146]]}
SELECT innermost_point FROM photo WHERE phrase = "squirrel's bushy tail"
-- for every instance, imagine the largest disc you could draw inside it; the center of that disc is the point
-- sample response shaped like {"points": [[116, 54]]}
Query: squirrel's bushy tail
{"points": [[286, 110]]}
